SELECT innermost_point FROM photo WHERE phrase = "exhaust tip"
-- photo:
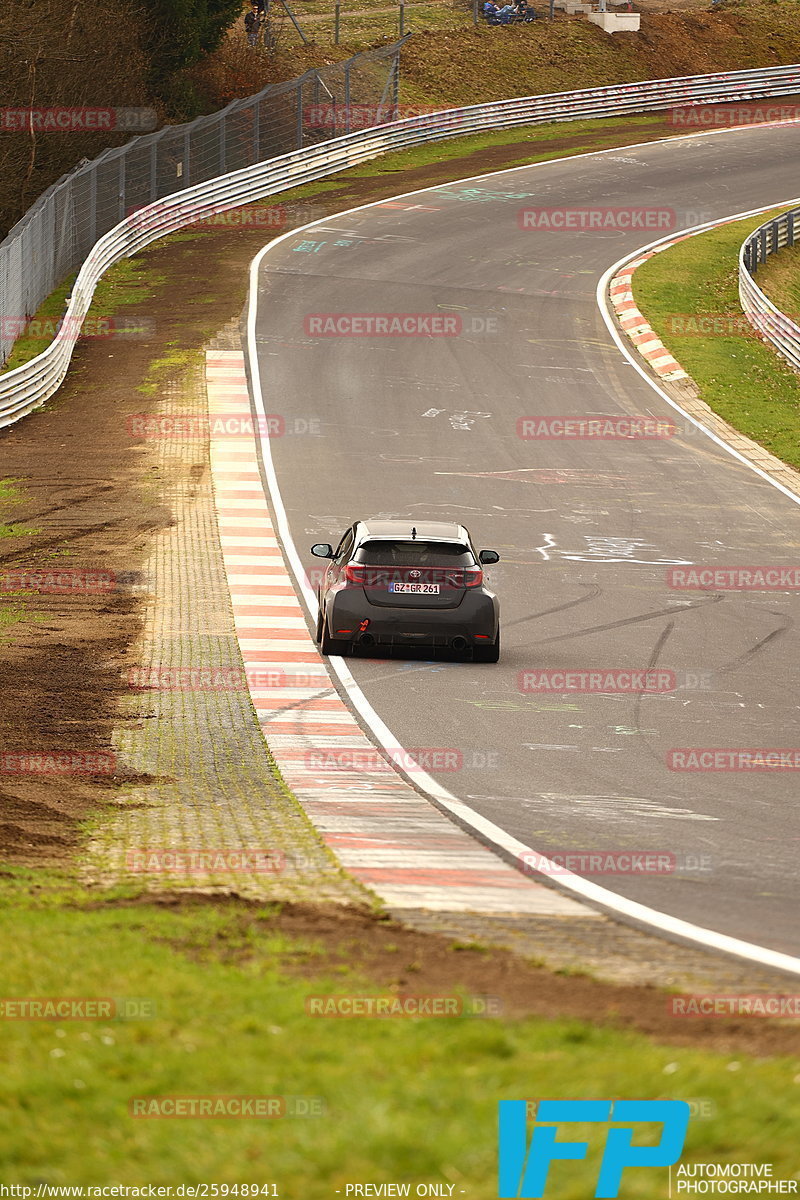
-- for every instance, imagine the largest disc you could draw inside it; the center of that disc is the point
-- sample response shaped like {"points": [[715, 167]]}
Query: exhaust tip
{"points": [[459, 643], [366, 639]]}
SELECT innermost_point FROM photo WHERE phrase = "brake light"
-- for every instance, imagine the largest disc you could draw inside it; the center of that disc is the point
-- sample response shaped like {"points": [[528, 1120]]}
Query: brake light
{"points": [[473, 577], [354, 573]]}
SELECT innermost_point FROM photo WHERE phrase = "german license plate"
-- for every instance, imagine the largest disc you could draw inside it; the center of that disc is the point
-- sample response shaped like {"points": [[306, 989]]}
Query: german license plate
{"points": [[419, 589]]}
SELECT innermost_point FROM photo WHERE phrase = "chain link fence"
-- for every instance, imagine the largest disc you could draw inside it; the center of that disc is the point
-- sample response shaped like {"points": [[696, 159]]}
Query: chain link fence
{"points": [[58, 232]]}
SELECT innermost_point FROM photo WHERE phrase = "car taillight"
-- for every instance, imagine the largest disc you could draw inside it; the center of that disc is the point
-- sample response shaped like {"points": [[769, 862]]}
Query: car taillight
{"points": [[354, 573], [473, 577]]}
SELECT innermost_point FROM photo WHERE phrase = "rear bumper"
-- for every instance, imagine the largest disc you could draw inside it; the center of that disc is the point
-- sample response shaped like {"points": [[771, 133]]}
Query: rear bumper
{"points": [[476, 615]]}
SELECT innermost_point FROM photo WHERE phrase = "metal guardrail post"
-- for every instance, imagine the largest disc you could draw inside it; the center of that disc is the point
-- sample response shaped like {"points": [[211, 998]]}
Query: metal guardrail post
{"points": [[772, 325], [93, 204], [153, 170], [121, 186], [395, 77]]}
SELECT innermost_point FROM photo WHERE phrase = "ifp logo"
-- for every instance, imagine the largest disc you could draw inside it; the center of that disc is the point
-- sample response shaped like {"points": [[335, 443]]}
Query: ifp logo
{"points": [[524, 1169]]}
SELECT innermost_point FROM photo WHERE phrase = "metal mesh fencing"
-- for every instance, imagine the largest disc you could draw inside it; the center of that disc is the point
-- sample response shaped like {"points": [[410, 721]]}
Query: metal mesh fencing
{"points": [[58, 232]]}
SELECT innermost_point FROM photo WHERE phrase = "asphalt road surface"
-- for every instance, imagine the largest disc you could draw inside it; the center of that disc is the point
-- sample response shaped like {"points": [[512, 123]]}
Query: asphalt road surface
{"points": [[419, 427]]}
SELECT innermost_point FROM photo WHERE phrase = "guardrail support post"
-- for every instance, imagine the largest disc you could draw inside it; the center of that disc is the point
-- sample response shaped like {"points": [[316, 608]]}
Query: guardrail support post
{"points": [[93, 205], [153, 171], [395, 82], [299, 94], [122, 161]]}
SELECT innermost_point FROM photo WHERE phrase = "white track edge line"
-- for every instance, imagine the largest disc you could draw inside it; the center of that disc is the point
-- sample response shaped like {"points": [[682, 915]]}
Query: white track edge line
{"points": [[623, 343], [606, 899]]}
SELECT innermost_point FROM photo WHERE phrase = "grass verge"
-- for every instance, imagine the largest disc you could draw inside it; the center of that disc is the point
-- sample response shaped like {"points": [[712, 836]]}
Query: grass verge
{"points": [[128, 282], [405, 1100], [739, 377], [12, 610]]}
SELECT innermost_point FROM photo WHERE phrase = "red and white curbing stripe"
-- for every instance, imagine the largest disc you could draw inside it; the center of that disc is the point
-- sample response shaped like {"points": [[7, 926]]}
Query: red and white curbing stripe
{"points": [[382, 831], [631, 321]]}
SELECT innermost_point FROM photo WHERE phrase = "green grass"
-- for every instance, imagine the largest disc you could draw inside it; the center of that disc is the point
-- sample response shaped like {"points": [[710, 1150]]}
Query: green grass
{"points": [[130, 281], [405, 1100], [10, 496], [12, 610], [172, 361], [741, 378], [436, 152]]}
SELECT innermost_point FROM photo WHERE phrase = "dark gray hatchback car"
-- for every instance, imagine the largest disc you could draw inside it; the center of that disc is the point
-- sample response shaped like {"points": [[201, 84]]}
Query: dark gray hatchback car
{"points": [[398, 583]]}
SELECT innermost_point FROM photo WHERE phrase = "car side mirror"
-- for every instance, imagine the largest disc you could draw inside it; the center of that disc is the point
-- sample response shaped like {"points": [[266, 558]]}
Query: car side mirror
{"points": [[322, 550], [487, 557]]}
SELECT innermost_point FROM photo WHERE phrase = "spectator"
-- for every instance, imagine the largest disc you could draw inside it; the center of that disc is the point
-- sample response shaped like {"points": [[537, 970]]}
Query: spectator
{"points": [[252, 23], [506, 14], [490, 11]]}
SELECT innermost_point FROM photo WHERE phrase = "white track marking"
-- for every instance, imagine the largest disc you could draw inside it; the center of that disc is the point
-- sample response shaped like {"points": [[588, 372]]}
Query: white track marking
{"points": [[487, 831]]}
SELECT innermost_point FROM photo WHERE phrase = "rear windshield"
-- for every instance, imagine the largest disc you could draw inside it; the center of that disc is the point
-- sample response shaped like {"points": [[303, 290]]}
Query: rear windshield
{"points": [[419, 553]]}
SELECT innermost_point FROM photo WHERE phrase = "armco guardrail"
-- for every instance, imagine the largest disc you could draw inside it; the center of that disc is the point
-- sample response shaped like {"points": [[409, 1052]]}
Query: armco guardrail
{"points": [[26, 387], [769, 321]]}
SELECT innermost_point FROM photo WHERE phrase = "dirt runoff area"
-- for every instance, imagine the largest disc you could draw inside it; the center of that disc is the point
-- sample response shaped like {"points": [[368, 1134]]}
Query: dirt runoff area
{"points": [[86, 499], [400, 960]]}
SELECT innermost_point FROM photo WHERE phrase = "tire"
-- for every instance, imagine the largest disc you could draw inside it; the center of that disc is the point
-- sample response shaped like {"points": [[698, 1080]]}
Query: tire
{"points": [[329, 645], [488, 654]]}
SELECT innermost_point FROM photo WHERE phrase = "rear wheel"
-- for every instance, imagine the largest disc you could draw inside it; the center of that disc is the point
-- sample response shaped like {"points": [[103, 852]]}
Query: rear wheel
{"points": [[488, 654], [327, 644]]}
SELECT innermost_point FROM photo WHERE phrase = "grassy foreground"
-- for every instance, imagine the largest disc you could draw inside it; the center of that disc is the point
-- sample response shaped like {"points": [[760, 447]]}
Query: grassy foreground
{"points": [[401, 1100], [693, 286]]}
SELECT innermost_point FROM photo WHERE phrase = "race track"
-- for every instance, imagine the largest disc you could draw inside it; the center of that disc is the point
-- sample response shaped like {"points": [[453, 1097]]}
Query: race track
{"points": [[587, 529]]}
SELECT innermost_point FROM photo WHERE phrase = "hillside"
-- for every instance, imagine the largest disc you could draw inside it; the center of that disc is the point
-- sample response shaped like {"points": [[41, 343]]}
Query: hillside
{"points": [[467, 65], [57, 52]]}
